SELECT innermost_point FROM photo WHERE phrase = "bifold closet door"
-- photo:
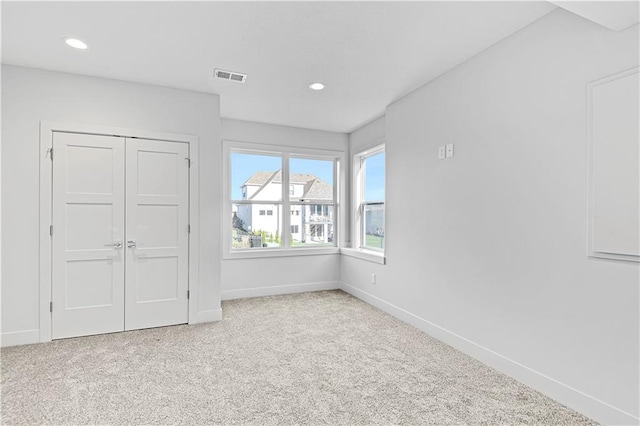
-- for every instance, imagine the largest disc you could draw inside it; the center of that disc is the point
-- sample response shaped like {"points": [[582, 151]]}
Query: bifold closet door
{"points": [[88, 234], [157, 237]]}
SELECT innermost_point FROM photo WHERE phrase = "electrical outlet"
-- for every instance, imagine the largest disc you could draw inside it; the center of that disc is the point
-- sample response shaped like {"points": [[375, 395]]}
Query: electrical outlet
{"points": [[373, 279], [449, 150], [441, 152]]}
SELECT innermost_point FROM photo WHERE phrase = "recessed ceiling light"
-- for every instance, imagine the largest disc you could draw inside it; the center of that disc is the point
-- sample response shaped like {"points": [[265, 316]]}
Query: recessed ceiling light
{"points": [[75, 43], [316, 86]]}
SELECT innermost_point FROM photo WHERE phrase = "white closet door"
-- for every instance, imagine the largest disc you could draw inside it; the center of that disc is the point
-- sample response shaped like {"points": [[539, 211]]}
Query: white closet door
{"points": [[88, 230], [157, 235]]}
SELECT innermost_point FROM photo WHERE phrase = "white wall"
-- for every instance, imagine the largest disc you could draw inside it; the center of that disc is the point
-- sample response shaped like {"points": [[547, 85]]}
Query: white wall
{"points": [[30, 96], [276, 275], [371, 133], [487, 250]]}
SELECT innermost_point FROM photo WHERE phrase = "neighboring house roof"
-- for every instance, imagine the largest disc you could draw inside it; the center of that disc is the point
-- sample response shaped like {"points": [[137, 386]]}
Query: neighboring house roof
{"points": [[258, 178], [317, 190], [314, 188]]}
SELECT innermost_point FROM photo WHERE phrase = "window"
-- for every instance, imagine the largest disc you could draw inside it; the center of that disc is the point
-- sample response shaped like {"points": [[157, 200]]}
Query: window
{"points": [[315, 202], [369, 167], [263, 182], [316, 231]]}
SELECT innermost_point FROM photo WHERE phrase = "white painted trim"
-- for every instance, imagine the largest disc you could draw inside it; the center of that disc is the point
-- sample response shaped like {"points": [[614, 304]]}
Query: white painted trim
{"points": [[46, 139], [280, 252], [279, 289], [371, 256], [588, 405], [194, 235], [46, 182], [15, 338], [208, 316], [590, 231], [117, 131]]}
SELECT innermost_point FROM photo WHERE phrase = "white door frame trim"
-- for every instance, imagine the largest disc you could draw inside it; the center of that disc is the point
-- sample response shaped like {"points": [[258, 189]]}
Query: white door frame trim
{"points": [[46, 181]]}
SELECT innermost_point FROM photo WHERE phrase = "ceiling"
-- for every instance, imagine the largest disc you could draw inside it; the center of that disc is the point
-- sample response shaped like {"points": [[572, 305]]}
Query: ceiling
{"points": [[615, 15], [368, 54]]}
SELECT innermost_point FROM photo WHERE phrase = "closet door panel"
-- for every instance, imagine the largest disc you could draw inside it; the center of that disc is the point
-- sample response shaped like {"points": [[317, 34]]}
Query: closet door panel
{"points": [[88, 231], [157, 233]]}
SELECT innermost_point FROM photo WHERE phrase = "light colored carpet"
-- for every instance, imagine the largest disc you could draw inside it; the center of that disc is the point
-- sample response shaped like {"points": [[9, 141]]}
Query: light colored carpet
{"points": [[312, 358]]}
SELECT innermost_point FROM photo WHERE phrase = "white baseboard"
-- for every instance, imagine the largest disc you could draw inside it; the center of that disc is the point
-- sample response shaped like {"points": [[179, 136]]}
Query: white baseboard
{"points": [[27, 337], [590, 406], [209, 316], [279, 289], [15, 338]]}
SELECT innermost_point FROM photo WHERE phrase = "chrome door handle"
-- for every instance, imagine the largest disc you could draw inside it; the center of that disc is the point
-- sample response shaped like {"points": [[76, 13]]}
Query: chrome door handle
{"points": [[131, 244], [115, 244]]}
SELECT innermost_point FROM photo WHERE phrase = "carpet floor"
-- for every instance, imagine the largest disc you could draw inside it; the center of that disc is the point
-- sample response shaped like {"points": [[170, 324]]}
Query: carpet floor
{"points": [[311, 358]]}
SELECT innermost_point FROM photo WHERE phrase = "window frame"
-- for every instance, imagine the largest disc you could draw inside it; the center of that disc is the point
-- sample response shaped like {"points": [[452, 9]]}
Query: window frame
{"points": [[285, 153], [358, 236]]}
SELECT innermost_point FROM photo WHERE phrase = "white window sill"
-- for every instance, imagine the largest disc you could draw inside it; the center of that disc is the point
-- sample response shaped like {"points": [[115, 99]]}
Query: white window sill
{"points": [[276, 252], [369, 255]]}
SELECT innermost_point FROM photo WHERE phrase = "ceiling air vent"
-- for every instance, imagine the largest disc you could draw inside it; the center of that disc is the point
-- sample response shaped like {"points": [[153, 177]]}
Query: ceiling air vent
{"points": [[230, 75]]}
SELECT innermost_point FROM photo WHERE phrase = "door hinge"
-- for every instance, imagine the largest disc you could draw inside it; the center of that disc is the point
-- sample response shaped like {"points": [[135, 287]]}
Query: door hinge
{"points": [[188, 294], [189, 229], [50, 306], [188, 162], [50, 153], [51, 230]]}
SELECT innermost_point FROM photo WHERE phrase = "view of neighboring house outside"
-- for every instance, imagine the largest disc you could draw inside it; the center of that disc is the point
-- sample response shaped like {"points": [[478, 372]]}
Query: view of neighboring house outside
{"points": [[311, 222]]}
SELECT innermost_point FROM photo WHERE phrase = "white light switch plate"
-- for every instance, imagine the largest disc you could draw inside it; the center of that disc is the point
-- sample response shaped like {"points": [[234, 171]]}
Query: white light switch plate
{"points": [[449, 150], [441, 152]]}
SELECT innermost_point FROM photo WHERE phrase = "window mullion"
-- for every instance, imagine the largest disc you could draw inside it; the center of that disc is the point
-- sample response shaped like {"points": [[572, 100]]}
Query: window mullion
{"points": [[286, 203], [337, 234], [361, 186]]}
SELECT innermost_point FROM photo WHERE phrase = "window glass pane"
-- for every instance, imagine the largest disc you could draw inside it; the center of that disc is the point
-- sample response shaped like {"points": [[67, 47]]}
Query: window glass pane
{"points": [[373, 225], [374, 177], [263, 218], [256, 225], [256, 177], [310, 180], [314, 225]]}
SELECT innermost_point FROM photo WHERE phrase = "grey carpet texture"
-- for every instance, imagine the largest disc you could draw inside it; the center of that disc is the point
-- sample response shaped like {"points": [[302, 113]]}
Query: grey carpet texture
{"points": [[311, 358]]}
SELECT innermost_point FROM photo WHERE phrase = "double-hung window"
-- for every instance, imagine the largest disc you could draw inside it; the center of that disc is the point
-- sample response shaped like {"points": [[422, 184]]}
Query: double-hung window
{"points": [[280, 198], [369, 179]]}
